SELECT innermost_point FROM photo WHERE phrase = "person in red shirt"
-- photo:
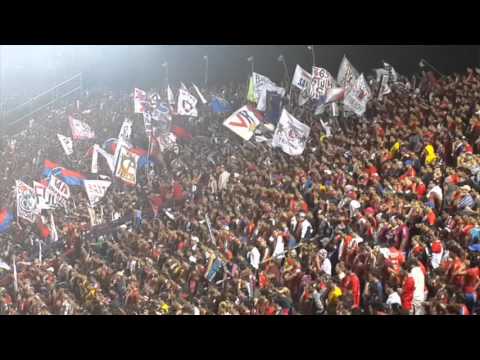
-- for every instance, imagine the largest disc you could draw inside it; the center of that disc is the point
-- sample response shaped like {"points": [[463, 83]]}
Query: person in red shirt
{"points": [[407, 292], [471, 284], [352, 282]]}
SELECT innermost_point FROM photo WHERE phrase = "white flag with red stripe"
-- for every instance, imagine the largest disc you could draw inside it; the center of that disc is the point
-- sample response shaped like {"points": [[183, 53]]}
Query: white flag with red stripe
{"points": [[139, 101], [243, 122], [80, 130]]}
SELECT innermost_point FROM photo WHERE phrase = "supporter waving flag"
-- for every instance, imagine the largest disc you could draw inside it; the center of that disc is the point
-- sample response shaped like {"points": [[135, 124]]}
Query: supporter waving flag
{"points": [[347, 74], [73, 178], [290, 135]]}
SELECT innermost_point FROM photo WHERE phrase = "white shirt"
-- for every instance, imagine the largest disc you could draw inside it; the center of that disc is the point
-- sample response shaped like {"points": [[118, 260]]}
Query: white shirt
{"points": [[327, 266], [419, 279], [394, 298], [305, 226], [254, 257], [436, 190], [223, 180], [278, 252]]}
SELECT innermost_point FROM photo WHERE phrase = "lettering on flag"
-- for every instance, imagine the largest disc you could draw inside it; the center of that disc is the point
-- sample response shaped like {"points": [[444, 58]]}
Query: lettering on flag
{"points": [[80, 130], [60, 189], [260, 82], [322, 81], [66, 143], [127, 163], [96, 190], [290, 135], [139, 101], [26, 202], [243, 122], [302, 79], [357, 98], [187, 104], [46, 200], [347, 74]]}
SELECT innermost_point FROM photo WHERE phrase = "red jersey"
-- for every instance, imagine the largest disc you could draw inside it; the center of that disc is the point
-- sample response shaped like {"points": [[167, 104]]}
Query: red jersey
{"points": [[471, 278], [407, 293]]}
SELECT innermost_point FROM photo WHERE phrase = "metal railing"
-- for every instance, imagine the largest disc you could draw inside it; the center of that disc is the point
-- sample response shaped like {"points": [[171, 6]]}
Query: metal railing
{"points": [[13, 118]]}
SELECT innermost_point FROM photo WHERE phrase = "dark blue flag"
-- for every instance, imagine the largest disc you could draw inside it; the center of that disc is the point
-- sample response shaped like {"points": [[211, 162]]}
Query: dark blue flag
{"points": [[274, 107]]}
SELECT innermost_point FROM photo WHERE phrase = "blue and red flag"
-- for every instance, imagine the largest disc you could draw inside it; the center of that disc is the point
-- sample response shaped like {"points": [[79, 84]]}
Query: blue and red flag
{"points": [[70, 177], [6, 220]]}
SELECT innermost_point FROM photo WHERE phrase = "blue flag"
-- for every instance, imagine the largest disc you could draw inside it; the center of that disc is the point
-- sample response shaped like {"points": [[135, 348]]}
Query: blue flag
{"points": [[274, 107], [220, 105]]}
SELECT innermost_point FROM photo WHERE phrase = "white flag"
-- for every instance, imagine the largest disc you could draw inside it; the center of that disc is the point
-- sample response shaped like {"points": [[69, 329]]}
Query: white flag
{"points": [[170, 97], [187, 104], [291, 135], [26, 202], [243, 122], [259, 84], [67, 144], [202, 99], [96, 190], [302, 79], [139, 101], [384, 87], [126, 167], [125, 130], [80, 130], [53, 229], [347, 74], [108, 157], [358, 96], [60, 189], [322, 81], [46, 200]]}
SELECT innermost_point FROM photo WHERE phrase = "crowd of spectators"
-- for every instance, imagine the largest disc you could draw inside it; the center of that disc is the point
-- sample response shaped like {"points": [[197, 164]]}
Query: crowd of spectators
{"points": [[380, 218]]}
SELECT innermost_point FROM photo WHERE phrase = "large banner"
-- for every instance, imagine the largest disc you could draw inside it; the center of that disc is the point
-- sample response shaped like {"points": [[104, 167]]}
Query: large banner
{"points": [[187, 104], [290, 135], [80, 130], [26, 202], [259, 83], [139, 101], [347, 74], [243, 122], [322, 81], [357, 98], [127, 165], [96, 190], [67, 144], [268, 88]]}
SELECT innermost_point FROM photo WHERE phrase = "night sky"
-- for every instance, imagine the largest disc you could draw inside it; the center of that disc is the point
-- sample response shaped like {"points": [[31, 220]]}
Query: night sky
{"points": [[140, 65]]}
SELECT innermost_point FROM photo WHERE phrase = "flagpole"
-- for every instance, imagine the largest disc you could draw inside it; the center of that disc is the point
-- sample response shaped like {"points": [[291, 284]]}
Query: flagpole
{"points": [[15, 277], [312, 49], [206, 69], [424, 62]]}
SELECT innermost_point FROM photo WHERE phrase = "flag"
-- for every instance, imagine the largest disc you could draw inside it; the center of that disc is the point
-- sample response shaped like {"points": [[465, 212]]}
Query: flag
{"points": [[273, 107], [139, 101], [53, 229], [154, 100], [243, 122], [96, 190], [384, 87], [259, 84], [162, 118], [126, 130], [334, 95], [67, 144], [170, 97], [290, 135], [251, 91], [4, 265], [108, 157], [358, 96], [6, 220], [181, 133], [262, 99], [220, 105], [73, 178], [46, 200], [60, 189], [347, 74], [126, 166], [322, 81], [26, 202], [301, 79], [43, 229], [202, 99], [80, 130], [187, 104]]}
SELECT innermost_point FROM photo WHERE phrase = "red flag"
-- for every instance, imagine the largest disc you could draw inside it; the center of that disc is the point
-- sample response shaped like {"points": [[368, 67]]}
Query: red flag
{"points": [[181, 133], [156, 201]]}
